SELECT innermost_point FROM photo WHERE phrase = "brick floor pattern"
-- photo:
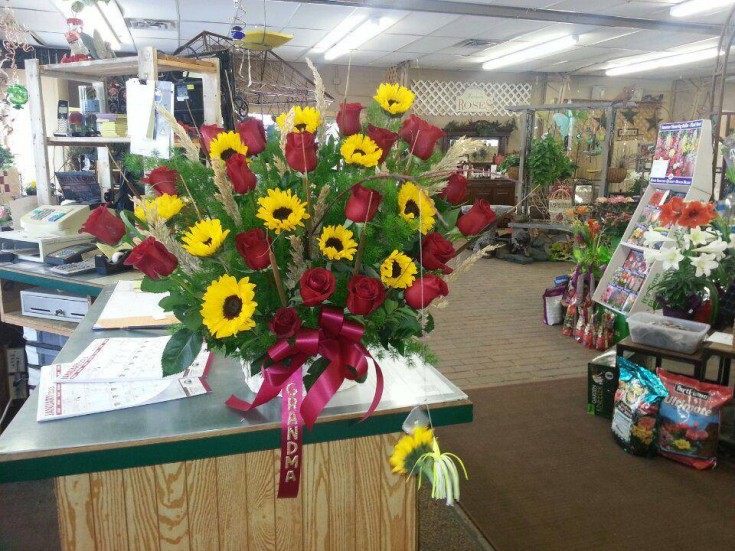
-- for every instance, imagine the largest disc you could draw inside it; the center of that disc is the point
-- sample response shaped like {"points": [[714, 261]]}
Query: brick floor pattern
{"points": [[492, 333]]}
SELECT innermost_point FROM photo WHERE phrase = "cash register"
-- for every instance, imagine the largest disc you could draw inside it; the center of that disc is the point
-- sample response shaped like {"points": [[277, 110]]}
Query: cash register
{"points": [[45, 230]]}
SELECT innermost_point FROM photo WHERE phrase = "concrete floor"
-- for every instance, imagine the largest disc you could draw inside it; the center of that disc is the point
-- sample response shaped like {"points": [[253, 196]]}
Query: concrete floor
{"points": [[492, 332]]}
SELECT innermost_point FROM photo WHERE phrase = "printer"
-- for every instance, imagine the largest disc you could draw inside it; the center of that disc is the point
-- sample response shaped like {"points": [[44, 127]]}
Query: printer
{"points": [[46, 229]]}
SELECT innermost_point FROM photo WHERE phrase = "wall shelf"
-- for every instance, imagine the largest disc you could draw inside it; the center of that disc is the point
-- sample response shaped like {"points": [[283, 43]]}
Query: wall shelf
{"points": [[65, 328], [86, 141]]}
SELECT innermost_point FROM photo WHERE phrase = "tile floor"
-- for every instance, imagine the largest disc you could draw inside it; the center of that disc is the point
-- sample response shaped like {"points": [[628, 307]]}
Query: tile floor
{"points": [[491, 332]]}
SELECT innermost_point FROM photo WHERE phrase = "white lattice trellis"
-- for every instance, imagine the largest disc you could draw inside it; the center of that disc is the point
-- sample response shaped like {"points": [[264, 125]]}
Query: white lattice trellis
{"points": [[435, 97]]}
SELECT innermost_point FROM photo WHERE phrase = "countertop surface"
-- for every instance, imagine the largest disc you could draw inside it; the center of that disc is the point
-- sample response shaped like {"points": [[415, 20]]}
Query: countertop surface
{"points": [[204, 426]]}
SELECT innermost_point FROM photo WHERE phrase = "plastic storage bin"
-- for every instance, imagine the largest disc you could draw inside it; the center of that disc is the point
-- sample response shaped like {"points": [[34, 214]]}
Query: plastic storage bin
{"points": [[668, 333], [44, 337]]}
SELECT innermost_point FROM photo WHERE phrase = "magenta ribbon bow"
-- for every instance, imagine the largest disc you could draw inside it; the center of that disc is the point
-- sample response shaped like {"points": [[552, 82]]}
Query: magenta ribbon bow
{"points": [[337, 340]]}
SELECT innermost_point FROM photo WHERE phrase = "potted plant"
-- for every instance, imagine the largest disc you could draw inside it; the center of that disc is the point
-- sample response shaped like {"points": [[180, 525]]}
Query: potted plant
{"points": [[510, 165], [6, 158], [548, 163], [695, 246], [618, 171]]}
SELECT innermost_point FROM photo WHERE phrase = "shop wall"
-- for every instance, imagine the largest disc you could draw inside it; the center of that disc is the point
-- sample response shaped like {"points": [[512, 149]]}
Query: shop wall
{"points": [[20, 140]]}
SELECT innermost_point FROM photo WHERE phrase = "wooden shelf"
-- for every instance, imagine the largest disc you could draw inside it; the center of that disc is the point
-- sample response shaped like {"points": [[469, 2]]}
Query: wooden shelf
{"points": [[88, 141], [122, 66], [65, 328]]}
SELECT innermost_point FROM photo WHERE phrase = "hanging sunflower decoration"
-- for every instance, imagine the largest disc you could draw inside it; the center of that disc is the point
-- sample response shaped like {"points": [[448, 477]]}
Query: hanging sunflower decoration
{"points": [[416, 207], [228, 306], [398, 271], [282, 211], [336, 243], [359, 149], [394, 98], [306, 119], [225, 145], [204, 238]]}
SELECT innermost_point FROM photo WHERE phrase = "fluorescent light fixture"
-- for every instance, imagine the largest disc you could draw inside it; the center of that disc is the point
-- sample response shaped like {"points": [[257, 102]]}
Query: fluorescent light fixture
{"points": [[115, 19], [358, 37], [671, 60], [697, 6], [339, 32], [538, 51]]}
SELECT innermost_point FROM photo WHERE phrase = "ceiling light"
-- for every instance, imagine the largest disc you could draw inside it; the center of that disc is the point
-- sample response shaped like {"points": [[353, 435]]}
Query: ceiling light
{"points": [[697, 6], [339, 32], [114, 17], [538, 51], [358, 37], [668, 61]]}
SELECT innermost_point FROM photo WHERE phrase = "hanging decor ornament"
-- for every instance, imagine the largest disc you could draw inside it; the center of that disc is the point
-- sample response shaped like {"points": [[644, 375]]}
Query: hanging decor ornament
{"points": [[16, 95]]}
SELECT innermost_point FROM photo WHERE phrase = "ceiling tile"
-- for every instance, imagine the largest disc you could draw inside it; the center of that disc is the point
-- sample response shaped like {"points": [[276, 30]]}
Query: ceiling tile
{"points": [[190, 29], [317, 16], [41, 20], [389, 42], [430, 44], [467, 26], [52, 39], [166, 45], [41, 5], [159, 9], [304, 38], [421, 24]]}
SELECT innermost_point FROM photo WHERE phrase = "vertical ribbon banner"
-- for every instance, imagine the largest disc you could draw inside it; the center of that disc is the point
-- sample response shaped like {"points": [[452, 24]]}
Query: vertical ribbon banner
{"points": [[337, 340], [291, 440]]}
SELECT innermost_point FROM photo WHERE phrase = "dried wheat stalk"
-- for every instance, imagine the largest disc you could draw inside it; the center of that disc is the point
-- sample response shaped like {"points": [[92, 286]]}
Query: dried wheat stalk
{"points": [[190, 149], [320, 206], [298, 263], [286, 128], [457, 153], [280, 165], [225, 194], [319, 95]]}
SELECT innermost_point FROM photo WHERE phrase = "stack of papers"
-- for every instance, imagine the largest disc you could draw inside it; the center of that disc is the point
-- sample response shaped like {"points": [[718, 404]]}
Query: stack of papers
{"points": [[112, 374], [131, 308]]}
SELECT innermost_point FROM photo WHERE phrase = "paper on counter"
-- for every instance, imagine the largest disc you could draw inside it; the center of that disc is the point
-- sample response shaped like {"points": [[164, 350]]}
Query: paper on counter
{"points": [[720, 338], [130, 308], [125, 359], [58, 400]]}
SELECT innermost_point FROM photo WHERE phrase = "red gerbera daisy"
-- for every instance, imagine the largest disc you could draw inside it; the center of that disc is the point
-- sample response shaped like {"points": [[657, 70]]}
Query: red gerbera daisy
{"points": [[697, 214], [671, 211]]}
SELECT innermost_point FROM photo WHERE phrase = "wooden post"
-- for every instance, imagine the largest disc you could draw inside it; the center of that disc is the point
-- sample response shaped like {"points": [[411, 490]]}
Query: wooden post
{"points": [[148, 63], [212, 95], [38, 132]]}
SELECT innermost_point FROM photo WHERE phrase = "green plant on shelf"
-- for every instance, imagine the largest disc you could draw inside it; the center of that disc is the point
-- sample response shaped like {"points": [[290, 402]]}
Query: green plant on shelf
{"points": [[7, 159], [548, 162], [514, 159]]}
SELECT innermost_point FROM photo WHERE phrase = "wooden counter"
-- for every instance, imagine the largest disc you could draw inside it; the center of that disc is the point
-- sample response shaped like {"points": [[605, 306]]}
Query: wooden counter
{"points": [[194, 474], [496, 191]]}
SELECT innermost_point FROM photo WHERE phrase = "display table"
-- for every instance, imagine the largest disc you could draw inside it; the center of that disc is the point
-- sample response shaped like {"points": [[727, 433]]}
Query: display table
{"points": [[194, 474], [698, 360]]}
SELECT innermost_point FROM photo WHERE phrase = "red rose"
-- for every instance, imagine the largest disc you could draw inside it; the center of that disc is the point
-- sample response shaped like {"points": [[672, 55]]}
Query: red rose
{"points": [[243, 179], [364, 294], [252, 134], [285, 323], [456, 189], [436, 252], [424, 290], [384, 138], [163, 180], [348, 118], [104, 225], [420, 136], [301, 151], [316, 286], [152, 258], [477, 219], [362, 204], [208, 132], [253, 247]]}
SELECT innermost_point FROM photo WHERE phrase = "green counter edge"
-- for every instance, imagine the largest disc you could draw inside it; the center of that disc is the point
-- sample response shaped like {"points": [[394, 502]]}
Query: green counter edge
{"points": [[200, 448], [41, 281]]}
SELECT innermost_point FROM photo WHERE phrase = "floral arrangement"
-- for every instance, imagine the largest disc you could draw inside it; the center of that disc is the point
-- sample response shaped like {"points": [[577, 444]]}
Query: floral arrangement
{"points": [[694, 246], [614, 214], [299, 248]]}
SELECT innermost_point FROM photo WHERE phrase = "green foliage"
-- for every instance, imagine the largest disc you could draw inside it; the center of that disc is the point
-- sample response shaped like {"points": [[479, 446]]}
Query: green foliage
{"points": [[548, 162], [181, 351], [7, 159], [514, 159]]}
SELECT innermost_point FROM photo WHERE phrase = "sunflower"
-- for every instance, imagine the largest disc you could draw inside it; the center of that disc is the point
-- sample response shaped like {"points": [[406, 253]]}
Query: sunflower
{"points": [[228, 306], [225, 145], [281, 210], [394, 98], [305, 119], [164, 207], [413, 202], [409, 448], [359, 149], [336, 243], [398, 271], [204, 238]]}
